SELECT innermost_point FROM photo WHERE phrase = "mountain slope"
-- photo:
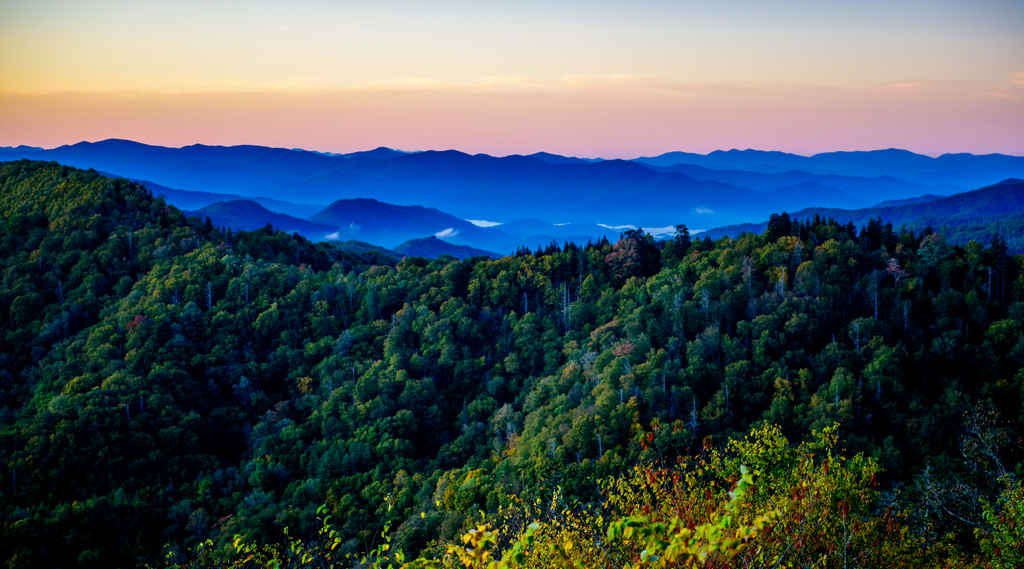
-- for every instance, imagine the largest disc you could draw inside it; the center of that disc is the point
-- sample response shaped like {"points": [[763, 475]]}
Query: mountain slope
{"points": [[813, 192], [191, 201], [995, 200], [248, 215], [389, 225], [999, 207], [432, 248], [376, 253]]}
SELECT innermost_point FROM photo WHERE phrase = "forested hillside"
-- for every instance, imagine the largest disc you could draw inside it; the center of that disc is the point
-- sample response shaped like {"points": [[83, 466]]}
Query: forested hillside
{"points": [[248, 215], [974, 215], [165, 382]]}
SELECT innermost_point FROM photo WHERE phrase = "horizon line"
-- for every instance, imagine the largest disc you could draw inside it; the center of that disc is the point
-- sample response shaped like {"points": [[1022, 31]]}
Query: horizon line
{"points": [[469, 153]]}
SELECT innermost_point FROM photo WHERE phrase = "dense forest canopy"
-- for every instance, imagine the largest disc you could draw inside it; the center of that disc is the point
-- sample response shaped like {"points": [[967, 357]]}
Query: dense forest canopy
{"points": [[164, 382]]}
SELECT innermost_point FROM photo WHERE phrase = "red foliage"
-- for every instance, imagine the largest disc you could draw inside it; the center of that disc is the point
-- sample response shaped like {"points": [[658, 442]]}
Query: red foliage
{"points": [[623, 349], [624, 258], [136, 323], [895, 270]]}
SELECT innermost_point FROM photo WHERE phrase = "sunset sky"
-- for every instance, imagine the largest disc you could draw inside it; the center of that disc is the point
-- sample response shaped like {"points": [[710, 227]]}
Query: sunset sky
{"points": [[592, 78]]}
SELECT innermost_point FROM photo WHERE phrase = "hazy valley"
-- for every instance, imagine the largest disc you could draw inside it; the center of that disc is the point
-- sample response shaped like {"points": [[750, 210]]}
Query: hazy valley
{"points": [[387, 197]]}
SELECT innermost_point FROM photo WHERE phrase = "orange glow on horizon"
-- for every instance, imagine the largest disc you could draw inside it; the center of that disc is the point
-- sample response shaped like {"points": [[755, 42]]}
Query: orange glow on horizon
{"points": [[599, 78], [593, 117]]}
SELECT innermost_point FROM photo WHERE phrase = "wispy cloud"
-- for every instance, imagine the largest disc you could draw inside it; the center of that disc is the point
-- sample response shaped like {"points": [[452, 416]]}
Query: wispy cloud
{"points": [[703, 210], [446, 233], [483, 222], [332, 236], [486, 84], [566, 84], [662, 231], [603, 81], [511, 84]]}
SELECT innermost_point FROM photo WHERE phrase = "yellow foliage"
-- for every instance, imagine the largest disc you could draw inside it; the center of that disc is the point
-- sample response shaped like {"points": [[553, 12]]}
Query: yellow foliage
{"points": [[758, 502]]}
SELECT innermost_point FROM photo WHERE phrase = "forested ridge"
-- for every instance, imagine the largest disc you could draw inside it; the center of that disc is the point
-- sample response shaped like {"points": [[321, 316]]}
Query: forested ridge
{"points": [[960, 218], [168, 386]]}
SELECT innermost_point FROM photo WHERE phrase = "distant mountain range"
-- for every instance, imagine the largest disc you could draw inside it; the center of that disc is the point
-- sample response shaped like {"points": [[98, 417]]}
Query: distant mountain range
{"points": [[965, 170], [728, 187], [391, 197], [866, 190]]}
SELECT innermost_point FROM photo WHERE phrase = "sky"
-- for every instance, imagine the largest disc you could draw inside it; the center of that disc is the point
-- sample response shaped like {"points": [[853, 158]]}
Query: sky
{"points": [[595, 79]]}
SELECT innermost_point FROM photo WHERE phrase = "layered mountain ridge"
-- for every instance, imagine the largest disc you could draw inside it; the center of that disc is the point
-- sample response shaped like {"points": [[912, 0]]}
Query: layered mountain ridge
{"points": [[728, 187], [970, 215], [389, 197]]}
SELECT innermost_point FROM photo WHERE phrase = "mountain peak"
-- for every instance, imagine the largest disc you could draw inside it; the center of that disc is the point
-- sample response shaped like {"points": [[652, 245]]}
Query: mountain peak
{"points": [[431, 247], [379, 153], [111, 144], [235, 206]]}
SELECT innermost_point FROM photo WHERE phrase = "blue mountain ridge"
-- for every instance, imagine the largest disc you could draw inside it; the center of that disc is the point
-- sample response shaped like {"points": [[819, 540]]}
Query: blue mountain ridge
{"points": [[558, 188], [965, 170], [999, 204]]}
